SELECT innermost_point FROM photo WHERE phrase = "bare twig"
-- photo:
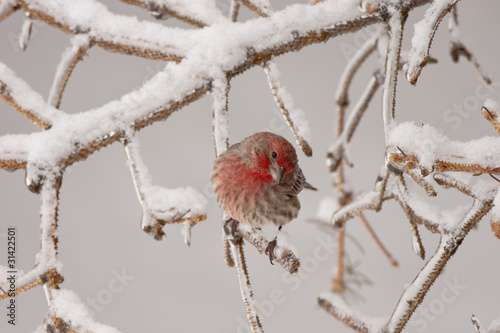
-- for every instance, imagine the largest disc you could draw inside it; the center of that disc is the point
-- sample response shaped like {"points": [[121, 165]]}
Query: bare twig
{"points": [[234, 9], [338, 279], [458, 48], [381, 245]]}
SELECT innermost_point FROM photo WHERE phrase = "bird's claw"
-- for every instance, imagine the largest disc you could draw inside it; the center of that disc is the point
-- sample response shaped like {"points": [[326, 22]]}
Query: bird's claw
{"points": [[270, 250], [230, 226]]}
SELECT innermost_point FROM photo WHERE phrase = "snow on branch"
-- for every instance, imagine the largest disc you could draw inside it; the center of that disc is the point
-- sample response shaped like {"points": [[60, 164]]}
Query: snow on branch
{"points": [[283, 255], [7, 7], [69, 314], [116, 33], [161, 205], [336, 306], [421, 42], [79, 45], [424, 148], [199, 13], [19, 95]]}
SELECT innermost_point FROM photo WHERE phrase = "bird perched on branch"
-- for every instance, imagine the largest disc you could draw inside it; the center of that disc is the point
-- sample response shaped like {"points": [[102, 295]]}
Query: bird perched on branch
{"points": [[257, 182]]}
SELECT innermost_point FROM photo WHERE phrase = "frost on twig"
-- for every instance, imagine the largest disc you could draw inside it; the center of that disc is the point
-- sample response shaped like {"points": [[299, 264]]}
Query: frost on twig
{"points": [[283, 255], [24, 37], [260, 7], [198, 13], [233, 248], [335, 305], [7, 7], [294, 117], [396, 25], [161, 205], [19, 95], [421, 42], [245, 287], [71, 56]]}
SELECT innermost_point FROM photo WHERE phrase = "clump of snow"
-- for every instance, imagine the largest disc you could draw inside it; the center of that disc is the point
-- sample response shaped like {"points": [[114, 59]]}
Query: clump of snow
{"points": [[429, 145], [422, 37], [167, 203], [67, 305]]}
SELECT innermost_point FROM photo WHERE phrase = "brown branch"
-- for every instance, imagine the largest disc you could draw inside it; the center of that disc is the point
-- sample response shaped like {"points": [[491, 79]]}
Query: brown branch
{"points": [[21, 289], [234, 10], [377, 240], [338, 279], [8, 12], [31, 115], [262, 12]]}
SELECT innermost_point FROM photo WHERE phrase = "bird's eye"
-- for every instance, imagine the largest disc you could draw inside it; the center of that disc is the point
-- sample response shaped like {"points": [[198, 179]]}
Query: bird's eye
{"points": [[274, 154]]}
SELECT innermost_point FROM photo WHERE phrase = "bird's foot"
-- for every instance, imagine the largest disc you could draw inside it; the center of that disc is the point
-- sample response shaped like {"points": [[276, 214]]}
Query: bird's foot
{"points": [[270, 249], [230, 226]]}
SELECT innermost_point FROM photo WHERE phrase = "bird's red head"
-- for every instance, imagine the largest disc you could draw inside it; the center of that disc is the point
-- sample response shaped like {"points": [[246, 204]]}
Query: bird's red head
{"points": [[272, 154]]}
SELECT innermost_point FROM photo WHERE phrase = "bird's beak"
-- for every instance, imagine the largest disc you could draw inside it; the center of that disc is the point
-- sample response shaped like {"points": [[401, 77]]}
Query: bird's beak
{"points": [[277, 172]]}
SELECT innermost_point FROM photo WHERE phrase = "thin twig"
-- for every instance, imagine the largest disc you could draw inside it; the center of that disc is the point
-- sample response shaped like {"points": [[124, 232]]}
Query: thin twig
{"points": [[69, 59], [245, 286], [426, 28], [264, 11], [377, 240], [458, 48], [449, 243], [234, 9], [283, 99], [396, 24], [492, 117], [338, 279]]}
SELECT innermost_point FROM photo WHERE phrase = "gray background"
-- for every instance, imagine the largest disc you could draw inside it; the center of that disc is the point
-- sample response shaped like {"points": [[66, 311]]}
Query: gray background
{"points": [[174, 288]]}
